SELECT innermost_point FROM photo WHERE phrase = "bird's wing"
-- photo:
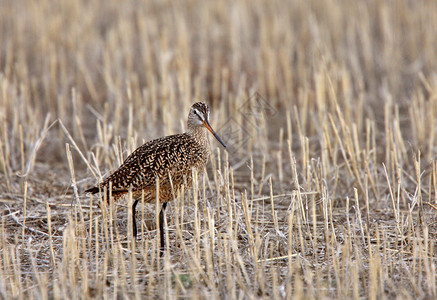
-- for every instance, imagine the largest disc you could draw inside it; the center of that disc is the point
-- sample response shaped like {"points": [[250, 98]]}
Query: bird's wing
{"points": [[155, 159]]}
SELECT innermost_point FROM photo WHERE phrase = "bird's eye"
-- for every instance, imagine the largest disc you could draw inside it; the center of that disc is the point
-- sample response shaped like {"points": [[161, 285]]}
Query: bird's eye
{"points": [[198, 114]]}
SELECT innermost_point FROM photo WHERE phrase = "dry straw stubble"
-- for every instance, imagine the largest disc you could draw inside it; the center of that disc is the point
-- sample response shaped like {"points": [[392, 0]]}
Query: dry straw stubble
{"points": [[334, 195]]}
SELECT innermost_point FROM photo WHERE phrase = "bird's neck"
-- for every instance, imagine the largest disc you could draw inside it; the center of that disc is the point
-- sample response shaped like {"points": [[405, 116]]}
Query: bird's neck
{"points": [[200, 134]]}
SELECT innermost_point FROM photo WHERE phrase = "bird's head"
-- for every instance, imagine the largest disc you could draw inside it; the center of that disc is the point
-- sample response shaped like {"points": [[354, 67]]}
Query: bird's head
{"points": [[199, 116]]}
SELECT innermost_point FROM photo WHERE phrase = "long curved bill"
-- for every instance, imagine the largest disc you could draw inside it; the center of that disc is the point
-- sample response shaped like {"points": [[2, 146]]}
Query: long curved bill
{"points": [[206, 124]]}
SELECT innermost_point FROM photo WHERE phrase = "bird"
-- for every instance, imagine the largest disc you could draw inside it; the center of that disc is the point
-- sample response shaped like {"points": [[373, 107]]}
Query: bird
{"points": [[162, 165]]}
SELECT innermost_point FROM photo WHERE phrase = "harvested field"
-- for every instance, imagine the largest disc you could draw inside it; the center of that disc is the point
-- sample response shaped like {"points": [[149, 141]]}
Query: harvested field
{"points": [[328, 187]]}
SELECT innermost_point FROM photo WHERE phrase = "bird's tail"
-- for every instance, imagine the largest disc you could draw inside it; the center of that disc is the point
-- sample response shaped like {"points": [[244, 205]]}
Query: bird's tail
{"points": [[93, 190], [115, 194]]}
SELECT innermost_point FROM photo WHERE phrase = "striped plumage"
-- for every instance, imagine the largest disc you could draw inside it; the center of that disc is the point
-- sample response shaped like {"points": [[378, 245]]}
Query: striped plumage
{"points": [[164, 158], [169, 159]]}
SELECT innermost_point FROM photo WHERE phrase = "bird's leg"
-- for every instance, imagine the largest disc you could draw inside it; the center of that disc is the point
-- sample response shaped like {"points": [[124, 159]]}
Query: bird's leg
{"points": [[134, 221], [161, 227]]}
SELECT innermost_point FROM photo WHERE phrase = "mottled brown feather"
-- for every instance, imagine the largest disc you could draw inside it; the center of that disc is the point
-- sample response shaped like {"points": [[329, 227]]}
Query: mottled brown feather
{"points": [[169, 157]]}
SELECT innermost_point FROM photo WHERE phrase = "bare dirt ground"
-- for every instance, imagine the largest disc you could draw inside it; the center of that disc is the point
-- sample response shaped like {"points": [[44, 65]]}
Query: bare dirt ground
{"points": [[328, 187]]}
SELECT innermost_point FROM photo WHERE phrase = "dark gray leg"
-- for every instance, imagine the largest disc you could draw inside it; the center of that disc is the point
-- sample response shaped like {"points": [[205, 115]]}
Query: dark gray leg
{"points": [[134, 221], [161, 227]]}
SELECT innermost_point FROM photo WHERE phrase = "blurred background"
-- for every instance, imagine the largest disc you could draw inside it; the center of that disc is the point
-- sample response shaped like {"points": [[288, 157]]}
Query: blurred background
{"points": [[327, 106], [146, 62]]}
